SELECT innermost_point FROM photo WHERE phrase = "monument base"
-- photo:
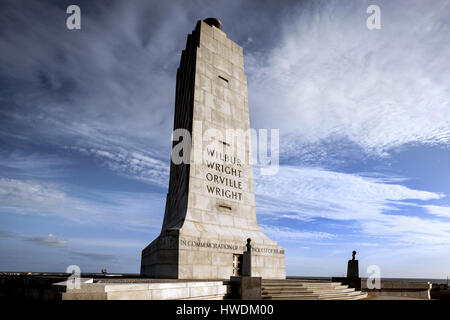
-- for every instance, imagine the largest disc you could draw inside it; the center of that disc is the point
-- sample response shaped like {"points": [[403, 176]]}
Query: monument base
{"points": [[176, 256], [160, 258]]}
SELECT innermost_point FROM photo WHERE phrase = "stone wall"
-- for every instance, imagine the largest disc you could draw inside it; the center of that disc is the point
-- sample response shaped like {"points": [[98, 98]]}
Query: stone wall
{"points": [[54, 287], [179, 290], [399, 288]]}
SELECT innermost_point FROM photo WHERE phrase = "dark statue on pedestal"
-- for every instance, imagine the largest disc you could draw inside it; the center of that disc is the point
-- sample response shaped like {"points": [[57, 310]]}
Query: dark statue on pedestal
{"points": [[352, 280], [247, 260]]}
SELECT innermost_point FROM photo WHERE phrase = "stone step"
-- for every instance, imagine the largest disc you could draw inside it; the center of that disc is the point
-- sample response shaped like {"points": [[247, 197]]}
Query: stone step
{"points": [[281, 286], [340, 298], [308, 290], [293, 289], [291, 297], [324, 293], [312, 297], [348, 294], [211, 297], [333, 294], [330, 289], [285, 290], [354, 297], [326, 288], [323, 285], [291, 281], [342, 291], [300, 280], [300, 285]]}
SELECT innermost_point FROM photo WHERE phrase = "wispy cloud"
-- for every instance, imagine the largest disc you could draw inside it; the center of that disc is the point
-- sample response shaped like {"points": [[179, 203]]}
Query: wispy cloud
{"points": [[93, 98], [315, 192], [332, 78], [373, 205], [47, 199], [84, 247], [49, 239], [34, 165], [6, 234], [293, 235], [440, 211], [408, 230], [131, 164], [73, 242]]}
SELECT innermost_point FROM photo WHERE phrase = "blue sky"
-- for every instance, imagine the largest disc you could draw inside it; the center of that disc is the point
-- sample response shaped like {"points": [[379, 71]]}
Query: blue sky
{"points": [[364, 119]]}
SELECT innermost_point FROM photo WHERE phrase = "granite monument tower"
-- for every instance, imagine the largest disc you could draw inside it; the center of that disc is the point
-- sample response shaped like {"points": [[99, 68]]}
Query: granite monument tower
{"points": [[210, 207]]}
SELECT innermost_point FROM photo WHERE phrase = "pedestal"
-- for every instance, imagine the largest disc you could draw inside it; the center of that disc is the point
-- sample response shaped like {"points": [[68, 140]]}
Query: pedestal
{"points": [[352, 280], [352, 269], [246, 288], [247, 264]]}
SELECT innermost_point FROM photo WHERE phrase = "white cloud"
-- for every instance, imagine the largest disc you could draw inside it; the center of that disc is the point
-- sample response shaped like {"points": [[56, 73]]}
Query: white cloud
{"points": [[314, 192], [109, 89], [293, 235], [98, 249], [330, 78], [408, 230], [106, 243], [49, 239], [371, 204], [34, 164], [131, 164], [45, 199], [440, 211], [366, 244]]}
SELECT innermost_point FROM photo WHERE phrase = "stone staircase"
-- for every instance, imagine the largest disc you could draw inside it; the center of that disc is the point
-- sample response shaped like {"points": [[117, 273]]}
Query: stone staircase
{"points": [[300, 289]]}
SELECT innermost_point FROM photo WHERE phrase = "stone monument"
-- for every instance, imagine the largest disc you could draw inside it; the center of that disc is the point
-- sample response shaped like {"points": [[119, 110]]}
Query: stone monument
{"points": [[210, 206]]}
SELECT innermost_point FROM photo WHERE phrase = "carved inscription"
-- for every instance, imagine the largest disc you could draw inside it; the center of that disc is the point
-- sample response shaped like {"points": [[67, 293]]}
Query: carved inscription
{"points": [[224, 175], [227, 246]]}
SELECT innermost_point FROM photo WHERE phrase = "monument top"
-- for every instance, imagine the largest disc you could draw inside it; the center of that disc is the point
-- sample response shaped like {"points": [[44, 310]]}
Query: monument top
{"points": [[213, 22]]}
